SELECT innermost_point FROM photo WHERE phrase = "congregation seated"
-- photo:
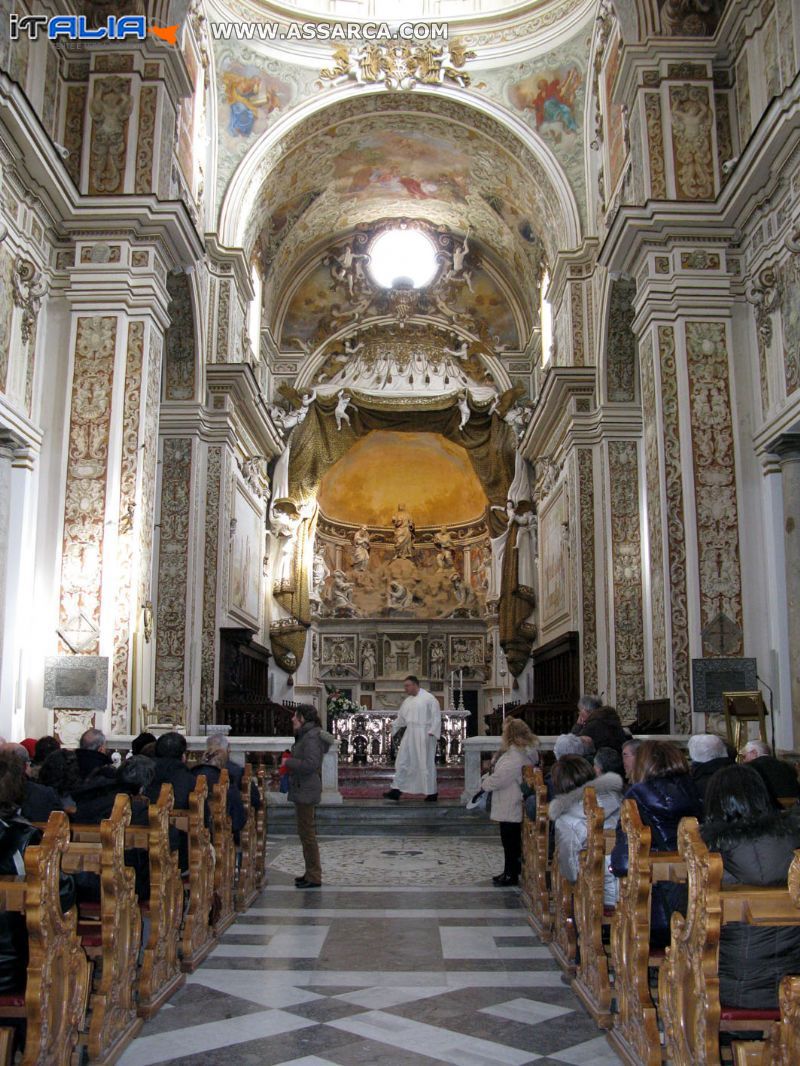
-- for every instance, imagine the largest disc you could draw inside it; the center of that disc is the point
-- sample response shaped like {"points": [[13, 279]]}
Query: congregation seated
{"points": [[144, 744], [571, 776], [629, 749], [218, 741], [17, 834], [214, 761], [604, 728], [171, 769], [60, 771], [92, 755], [757, 846], [94, 800], [587, 704], [39, 801], [665, 793], [43, 747], [779, 776], [707, 754]]}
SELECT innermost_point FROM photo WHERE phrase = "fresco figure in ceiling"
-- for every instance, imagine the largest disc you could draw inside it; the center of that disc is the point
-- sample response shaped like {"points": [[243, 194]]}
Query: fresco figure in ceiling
{"points": [[249, 97], [403, 525]]}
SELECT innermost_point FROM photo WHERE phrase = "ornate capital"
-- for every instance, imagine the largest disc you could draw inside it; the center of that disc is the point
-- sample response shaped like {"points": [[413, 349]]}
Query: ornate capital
{"points": [[29, 288]]}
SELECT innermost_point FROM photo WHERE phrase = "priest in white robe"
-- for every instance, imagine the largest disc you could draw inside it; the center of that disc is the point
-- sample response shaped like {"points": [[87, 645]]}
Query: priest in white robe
{"points": [[415, 768]]}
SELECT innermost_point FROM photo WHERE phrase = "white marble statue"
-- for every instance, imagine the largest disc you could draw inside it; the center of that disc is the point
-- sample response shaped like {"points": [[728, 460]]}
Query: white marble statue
{"points": [[369, 663], [443, 541], [421, 718], [399, 598], [320, 573], [341, 414], [437, 660], [403, 525], [361, 548], [341, 595]]}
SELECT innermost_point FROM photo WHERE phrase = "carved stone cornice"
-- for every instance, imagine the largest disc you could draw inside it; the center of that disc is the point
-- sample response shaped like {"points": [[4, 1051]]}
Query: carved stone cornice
{"points": [[787, 448], [234, 389], [556, 408]]}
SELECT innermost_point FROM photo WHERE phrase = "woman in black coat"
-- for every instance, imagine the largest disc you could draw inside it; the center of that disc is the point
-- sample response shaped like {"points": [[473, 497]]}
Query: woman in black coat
{"points": [[664, 792], [757, 846]]}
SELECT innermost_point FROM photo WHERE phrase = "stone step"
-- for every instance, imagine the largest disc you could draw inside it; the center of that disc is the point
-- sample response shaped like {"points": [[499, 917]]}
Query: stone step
{"points": [[376, 817]]}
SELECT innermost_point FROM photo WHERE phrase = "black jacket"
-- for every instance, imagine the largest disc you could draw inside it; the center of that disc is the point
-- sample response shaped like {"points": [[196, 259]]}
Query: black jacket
{"points": [[779, 776], [236, 773], [94, 763], [605, 732], [662, 802], [702, 772], [752, 960], [40, 801], [173, 772]]}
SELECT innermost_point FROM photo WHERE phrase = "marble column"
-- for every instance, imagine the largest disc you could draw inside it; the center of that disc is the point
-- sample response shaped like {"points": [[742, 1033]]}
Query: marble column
{"points": [[787, 448]]}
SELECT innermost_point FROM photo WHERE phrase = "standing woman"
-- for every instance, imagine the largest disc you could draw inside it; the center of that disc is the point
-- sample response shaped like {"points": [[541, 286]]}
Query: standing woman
{"points": [[517, 750], [305, 787]]}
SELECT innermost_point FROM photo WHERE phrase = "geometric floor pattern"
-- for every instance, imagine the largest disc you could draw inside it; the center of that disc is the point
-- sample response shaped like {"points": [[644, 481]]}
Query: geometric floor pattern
{"points": [[365, 975]]}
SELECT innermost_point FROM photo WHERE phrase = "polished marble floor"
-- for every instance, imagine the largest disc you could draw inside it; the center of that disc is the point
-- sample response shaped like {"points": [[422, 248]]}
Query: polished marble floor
{"points": [[366, 973]]}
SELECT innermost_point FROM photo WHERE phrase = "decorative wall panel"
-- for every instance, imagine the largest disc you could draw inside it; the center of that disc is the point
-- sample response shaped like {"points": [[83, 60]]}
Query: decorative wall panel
{"points": [[149, 467], [87, 458], [626, 552], [173, 568], [125, 601], [210, 575], [692, 118], [655, 146], [6, 312], [589, 594], [790, 321], [743, 99], [716, 502], [654, 527], [676, 532], [621, 343], [148, 99], [179, 373], [110, 108]]}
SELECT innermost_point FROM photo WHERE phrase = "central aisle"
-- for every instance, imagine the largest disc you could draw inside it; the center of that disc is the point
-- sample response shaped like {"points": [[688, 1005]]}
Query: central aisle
{"points": [[403, 974]]}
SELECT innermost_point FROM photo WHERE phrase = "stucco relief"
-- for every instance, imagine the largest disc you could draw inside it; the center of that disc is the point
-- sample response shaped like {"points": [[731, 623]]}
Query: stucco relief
{"points": [[125, 602], [676, 531], [589, 613], [6, 312], [149, 466], [650, 413], [179, 364], [621, 343], [145, 141], [716, 501], [790, 321], [87, 458], [110, 108], [692, 118], [626, 542], [173, 566], [655, 146], [210, 572]]}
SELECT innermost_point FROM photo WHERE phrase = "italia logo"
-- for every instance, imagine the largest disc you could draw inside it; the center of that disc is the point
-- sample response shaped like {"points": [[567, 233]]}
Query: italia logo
{"points": [[76, 28]]}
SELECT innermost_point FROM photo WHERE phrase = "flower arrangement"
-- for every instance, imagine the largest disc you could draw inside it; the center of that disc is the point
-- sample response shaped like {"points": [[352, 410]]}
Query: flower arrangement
{"points": [[339, 704]]}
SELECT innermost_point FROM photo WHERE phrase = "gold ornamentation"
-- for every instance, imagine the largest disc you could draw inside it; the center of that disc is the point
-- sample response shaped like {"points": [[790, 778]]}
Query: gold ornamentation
{"points": [[400, 66]]}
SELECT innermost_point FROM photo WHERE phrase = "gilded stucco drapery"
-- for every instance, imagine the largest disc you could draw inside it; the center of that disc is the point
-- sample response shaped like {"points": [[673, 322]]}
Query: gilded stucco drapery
{"points": [[317, 445]]}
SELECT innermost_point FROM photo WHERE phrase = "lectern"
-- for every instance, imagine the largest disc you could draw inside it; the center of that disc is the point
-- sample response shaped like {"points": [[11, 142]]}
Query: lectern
{"points": [[741, 708]]}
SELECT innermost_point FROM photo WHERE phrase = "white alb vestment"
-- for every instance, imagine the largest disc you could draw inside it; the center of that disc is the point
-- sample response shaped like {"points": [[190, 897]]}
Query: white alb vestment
{"points": [[415, 769]]}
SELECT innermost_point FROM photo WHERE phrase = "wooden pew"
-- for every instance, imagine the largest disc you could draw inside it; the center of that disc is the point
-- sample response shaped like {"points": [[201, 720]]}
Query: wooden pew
{"points": [[564, 942], [688, 981], [225, 854], [160, 976], [198, 936], [783, 1047], [634, 1035], [535, 844], [6, 1047], [58, 975], [246, 888], [592, 983], [261, 830], [113, 941]]}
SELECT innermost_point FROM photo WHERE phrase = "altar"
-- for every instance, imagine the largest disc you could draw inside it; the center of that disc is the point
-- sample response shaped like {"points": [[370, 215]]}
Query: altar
{"points": [[365, 737]]}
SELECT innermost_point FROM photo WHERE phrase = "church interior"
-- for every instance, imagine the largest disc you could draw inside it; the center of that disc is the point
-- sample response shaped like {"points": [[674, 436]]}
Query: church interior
{"points": [[395, 398]]}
